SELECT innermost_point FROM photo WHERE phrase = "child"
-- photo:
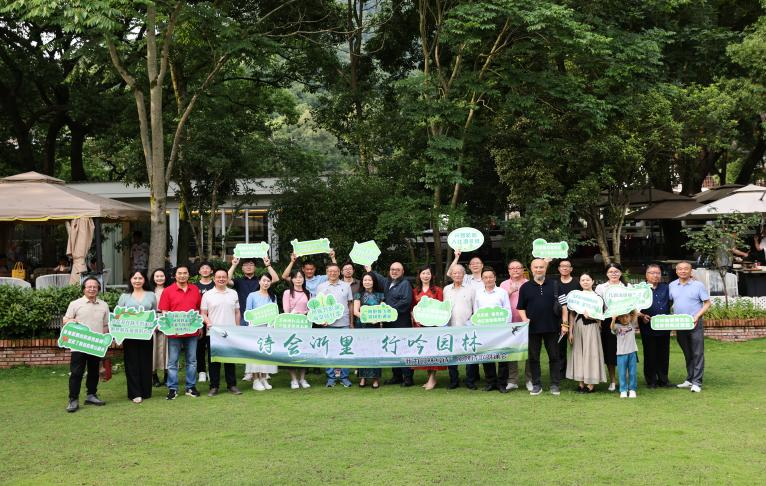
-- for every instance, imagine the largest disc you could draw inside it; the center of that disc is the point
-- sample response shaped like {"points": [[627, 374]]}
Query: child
{"points": [[624, 327]]}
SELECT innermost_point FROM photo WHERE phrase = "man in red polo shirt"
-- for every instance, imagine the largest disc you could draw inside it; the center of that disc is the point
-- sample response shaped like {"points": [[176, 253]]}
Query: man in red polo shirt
{"points": [[181, 296]]}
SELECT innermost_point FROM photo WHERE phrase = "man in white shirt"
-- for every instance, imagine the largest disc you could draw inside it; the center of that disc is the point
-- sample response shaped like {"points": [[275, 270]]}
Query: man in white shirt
{"points": [[220, 307], [342, 292], [462, 298], [493, 296]]}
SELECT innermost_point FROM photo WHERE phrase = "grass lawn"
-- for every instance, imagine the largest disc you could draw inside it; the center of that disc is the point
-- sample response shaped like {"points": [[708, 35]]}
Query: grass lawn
{"points": [[394, 435]]}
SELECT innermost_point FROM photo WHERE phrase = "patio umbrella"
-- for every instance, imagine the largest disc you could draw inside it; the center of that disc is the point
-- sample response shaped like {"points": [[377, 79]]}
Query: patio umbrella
{"points": [[748, 200], [80, 237]]}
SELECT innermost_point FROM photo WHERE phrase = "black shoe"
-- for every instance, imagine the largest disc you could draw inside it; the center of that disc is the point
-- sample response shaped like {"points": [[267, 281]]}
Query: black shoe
{"points": [[581, 389], [156, 383], [452, 386], [94, 400], [213, 391], [490, 387], [393, 381], [408, 382], [234, 390], [73, 406], [470, 386], [172, 394], [192, 392], [502, 389]]}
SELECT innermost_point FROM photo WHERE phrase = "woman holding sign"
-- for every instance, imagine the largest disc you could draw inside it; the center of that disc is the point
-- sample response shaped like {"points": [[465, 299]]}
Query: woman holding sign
{"points": [[369, 294], [294, 301], [264, 295], [609, 340], [425, 288], [159, 281], [585, 362], [138, 353]]}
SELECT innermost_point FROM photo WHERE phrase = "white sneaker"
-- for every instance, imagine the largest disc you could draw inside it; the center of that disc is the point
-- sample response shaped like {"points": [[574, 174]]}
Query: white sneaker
{"points": [[632, 394], [202, 378], [304, 384], [258, 386], [685, 384], [530, 386], [696, 388], [623, 394], [266, 384], [511, 386], [247, 377], [294, 385], [613, 387]]}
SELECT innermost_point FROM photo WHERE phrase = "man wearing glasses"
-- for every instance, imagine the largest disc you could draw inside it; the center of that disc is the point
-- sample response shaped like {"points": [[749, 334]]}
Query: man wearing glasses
{"points": [[656, 344]]}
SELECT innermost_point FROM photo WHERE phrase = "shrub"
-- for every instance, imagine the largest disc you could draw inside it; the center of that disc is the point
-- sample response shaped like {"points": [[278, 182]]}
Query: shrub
{"points": [[739, 309]]}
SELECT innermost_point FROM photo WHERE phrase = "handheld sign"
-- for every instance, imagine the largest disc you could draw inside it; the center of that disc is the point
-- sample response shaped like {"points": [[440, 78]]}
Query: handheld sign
{"points": [[79, 337], [619, 298], [465, 239], [324, 309], [263, 315], [590, 302], [543, 249], [311, 247], [491, 316], [251, 250], [431, 312], [677, 322], [364, 253], [377, 313], [178, 322], [132, 323], [292, 321]]}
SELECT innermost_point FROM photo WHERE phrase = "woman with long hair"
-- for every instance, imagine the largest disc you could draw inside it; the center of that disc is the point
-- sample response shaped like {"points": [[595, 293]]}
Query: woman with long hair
{"points": [[264, 295], [585, 361], [295, 301], [424, 287], [609, 340], [138, 353], [369, 294], [157, 283]]}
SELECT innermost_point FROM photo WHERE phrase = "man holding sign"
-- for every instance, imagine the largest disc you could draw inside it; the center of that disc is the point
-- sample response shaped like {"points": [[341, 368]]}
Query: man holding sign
{"points": [[220, 307], [656, 343], [92, 312], [492, 296], [309, 271], [342, 292]]}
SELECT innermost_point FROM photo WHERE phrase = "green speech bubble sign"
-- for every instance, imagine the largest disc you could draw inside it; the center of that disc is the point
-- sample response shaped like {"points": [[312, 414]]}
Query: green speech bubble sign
{"points": [[431, 312], [292, 321], [490, 316], [580, 301], [132, 323], [543, 249], [465, 239], [676, 322], [251, 250], [640, 295], [78, 337], [364, 253], [377, 313], [323, 309], [263, 315], [310, 247], [177, 323], [620, 307]]}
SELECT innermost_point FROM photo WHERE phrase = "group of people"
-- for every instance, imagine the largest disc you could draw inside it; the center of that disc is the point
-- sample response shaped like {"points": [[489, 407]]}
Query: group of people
{"points": [[579, 347]]}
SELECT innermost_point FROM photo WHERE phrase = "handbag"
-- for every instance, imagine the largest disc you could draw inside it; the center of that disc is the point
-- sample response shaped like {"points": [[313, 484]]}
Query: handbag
{"points": [[19, 271], [106, 369]]}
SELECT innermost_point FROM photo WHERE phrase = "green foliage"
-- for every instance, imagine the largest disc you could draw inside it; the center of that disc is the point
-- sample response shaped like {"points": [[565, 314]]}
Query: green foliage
{"points": [[714, 241], [739, 309]]}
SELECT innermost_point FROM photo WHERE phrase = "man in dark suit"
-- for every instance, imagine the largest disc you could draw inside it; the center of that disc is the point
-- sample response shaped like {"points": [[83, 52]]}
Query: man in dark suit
{"points": [[656, 343]]}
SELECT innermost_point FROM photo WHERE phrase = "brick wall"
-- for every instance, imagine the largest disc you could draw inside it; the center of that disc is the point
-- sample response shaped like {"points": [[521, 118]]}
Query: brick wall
{"points": [[38, 352], [735, 330]]}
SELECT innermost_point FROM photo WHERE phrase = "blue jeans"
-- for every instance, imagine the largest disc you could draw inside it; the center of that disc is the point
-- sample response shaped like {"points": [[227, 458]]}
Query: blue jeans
{"points": [[628, 363], [331, 374], [174, 350]]}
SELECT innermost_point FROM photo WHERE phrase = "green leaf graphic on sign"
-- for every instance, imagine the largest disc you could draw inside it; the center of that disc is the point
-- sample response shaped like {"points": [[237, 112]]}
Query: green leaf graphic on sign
{"points": [[364, 253], [251, 250], [311, 247], [323, 309], [490, 316], [676, 322], [377, 313], [465, 239], [543, 249], [132, 323], [79, 337], [263, 315], [580, 301], [292, 321], [178, 322], [432, 312]]}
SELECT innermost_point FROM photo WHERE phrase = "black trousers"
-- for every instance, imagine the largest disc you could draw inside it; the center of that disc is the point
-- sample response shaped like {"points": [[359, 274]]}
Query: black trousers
{"points": [[656, 359], [203, 354], [77, 365], [471, 374], [138, 367], [400, 374], [536, 341], [229, 372], [563, 355], [496, 373]]}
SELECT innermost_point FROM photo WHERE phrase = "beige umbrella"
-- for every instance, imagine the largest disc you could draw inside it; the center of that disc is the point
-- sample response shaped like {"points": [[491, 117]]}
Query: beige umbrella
{"points": [[80, 232]]}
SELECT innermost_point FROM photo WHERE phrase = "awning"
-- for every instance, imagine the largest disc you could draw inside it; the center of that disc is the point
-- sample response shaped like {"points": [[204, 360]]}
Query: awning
{"points": [[747, 200], [665, 210]]}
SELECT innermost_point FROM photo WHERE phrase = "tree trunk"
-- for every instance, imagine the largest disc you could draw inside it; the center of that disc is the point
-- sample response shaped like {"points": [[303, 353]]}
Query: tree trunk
{"points": [[211, 221], [51, 142], [78, 132], [755, 157], [437, 234]]}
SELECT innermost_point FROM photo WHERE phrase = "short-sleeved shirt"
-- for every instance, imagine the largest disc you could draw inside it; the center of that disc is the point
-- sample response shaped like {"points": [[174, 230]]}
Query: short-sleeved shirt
{"points": [[462, 299], [295, 304], [148, 302], [475, 283], [312, 284], [565, 288], [221, 306], [139, 254], [342, 293], [537, 301], [245, 286], [367, 298], [626, 338], [95, 315], [513, 297], [687, 298], [176, 299], [496, 297], [204, 287]]}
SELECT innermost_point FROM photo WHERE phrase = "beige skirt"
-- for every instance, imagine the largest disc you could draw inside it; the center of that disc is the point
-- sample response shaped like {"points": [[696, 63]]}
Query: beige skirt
{"points": [[160, 352], [585, 360]]}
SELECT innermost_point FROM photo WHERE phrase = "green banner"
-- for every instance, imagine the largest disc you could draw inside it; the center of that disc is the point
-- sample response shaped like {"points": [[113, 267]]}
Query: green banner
{"points": [[377, 313], [177, 323], [251, 250], [132, 323], [263, 315], [490, 316], [369, 348], [580, 301], [311, 247], [364, 253], [431, 312], [79, 337], [675, 322], [543, 249], [465, 239], [292, 321], [323, 309]]}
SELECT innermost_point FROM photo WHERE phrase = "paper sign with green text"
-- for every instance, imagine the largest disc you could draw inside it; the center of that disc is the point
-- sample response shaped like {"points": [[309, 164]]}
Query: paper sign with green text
{"points": [[543, 249], [263, 315], [431, 312], [177, 323], [676, 322], [251, 250], [581, 302], [639, 295], [364, 253], [292, 321], [79, 337], [132, 323], [465, 239], [377, 313], [491, 316], [311, 247], [324, 309]]}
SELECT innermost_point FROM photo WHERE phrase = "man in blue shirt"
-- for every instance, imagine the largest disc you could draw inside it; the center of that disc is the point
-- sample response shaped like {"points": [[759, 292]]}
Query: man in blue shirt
{"points": [[656, 344], [690, 297], [309, 268]]}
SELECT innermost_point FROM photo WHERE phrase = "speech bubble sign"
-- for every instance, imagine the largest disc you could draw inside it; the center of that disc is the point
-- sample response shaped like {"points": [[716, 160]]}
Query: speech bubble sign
{"points": [[364, 253], [617, 296], [263, 315], [490, 316], [292, 321], [675, 322], [590, 302], [431, 312], [176, 323], [324, 309], [543, 249], [377, 313], [78, 337], [311, 247], [619, 308], [132, 323], [251, 250], [465, 239]]}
